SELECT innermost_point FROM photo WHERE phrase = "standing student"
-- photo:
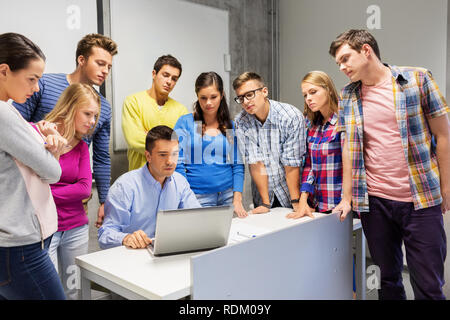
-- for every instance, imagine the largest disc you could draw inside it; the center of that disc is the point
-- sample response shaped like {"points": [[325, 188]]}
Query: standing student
{"points": [[93, 63], [322, 172], [28, 163], [271, 137], [209, 157], [74, 117], [150, 108], [393, 175]]}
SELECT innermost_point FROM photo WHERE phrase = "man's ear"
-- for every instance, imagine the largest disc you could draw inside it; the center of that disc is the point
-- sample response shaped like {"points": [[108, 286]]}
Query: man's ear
{"points": [[4, 68], [148, 157], [367, 49], [265, 92], [81, 60]]}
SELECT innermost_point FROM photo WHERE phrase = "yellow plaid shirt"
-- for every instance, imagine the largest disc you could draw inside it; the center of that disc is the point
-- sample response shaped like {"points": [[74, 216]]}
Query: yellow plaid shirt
{"points": [[416, 98]]}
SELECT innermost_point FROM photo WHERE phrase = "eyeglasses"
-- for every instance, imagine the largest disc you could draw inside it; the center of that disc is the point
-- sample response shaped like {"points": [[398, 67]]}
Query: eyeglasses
{"points": [[248, 95]]}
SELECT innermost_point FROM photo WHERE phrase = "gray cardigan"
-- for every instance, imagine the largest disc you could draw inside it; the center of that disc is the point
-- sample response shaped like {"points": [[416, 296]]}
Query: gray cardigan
{"points": [[19, 224]]}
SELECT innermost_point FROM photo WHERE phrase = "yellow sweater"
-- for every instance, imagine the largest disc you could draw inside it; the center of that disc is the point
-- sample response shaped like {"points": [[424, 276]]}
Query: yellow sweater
{"points": [[140, 114]]}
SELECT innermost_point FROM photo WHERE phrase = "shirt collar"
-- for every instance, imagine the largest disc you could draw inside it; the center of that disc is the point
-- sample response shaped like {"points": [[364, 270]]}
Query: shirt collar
{"points": [[270, 116], [333, 119], [396, 73], [148, 176]]}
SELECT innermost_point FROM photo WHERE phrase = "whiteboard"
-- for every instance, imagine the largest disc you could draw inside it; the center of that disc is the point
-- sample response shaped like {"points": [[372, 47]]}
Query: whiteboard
{"points": [[144, 30], [55, 26]]}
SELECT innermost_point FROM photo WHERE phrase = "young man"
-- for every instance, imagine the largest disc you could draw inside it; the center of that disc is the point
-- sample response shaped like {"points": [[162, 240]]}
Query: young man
{"points": [[271, 137], [146, 109], [93, 62], [393, 174], [136, 197]]}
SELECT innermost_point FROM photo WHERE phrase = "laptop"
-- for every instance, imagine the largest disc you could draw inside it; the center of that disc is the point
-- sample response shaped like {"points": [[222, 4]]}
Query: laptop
{"points": [[189, 230]]}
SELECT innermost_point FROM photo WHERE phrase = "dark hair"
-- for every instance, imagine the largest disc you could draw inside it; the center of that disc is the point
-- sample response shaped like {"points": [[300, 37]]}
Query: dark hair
{"points": [[355, 39], [17, 50], [167, 60], [85, 45], [159, 133], [204, 80], [247, 76]]}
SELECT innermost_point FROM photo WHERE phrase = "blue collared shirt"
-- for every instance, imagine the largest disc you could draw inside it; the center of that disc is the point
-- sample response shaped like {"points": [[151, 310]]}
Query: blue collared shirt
{"points": [[135, 199]]}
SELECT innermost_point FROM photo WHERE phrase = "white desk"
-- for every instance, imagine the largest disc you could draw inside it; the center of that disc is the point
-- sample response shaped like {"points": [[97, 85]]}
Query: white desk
{"points": [[135, 274]]}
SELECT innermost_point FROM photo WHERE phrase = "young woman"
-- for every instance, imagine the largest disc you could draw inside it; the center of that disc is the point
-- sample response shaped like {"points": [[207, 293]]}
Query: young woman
{"points": [[75, 116], [28, 163], [322, 174], [209, 157]]}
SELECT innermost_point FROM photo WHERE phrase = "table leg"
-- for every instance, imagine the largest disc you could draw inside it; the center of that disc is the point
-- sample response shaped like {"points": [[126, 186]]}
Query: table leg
{"points": [[360, 265], [85, 287]]}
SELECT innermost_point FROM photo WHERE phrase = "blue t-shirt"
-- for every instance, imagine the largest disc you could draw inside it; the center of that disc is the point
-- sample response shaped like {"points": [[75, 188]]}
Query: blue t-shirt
{"points": [[210, 164]]}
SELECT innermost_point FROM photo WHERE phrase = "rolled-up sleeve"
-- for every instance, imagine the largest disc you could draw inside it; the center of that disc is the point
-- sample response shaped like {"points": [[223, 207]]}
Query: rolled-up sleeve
{"points": [[433, 102], [294, 147]]}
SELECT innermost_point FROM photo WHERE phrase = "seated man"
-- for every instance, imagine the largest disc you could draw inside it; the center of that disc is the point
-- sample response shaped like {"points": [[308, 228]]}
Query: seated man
{"points": [[136, 197]]}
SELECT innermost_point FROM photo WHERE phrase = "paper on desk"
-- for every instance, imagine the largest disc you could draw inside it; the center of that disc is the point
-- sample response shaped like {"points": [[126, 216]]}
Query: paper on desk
{"points": [[241, 231]]}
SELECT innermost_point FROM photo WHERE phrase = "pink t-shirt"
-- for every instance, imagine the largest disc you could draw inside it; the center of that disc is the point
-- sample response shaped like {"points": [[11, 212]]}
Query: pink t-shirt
{"points": [[386, 167]]}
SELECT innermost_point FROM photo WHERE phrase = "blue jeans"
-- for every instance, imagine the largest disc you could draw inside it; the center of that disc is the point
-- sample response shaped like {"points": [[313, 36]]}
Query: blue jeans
{"points": [[65, 246], [27, 273], [223, 198]]}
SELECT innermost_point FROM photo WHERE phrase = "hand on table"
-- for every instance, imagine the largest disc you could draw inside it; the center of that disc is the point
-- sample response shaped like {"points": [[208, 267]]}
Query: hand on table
{"points": [[344, 207], [259, 210], [301, 211], [136, 240]]}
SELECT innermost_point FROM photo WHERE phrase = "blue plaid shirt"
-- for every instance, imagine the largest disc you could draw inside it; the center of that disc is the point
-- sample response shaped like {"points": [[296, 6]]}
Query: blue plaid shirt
{"points": [[416, 98], [279, 142]]}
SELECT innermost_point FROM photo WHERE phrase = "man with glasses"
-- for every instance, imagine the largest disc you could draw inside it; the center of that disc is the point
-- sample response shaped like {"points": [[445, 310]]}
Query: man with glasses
{"points": [[271, 137]]}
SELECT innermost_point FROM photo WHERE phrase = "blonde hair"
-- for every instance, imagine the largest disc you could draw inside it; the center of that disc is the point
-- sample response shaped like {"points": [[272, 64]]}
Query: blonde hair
{"points": [[320, 79], [75, 96]]}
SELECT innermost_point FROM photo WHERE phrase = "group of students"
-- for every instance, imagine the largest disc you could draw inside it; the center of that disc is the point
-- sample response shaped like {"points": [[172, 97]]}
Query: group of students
{"points": [[381, 149]]}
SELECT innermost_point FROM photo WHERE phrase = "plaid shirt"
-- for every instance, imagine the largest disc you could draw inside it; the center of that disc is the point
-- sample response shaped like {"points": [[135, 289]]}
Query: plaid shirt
{"points": [[278, 143], [322, 173], [416, 98]]}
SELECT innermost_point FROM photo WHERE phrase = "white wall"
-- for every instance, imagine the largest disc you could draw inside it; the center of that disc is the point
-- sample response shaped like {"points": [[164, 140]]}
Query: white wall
{"points": [[195, 34], [55, 26], [413, 33]]}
